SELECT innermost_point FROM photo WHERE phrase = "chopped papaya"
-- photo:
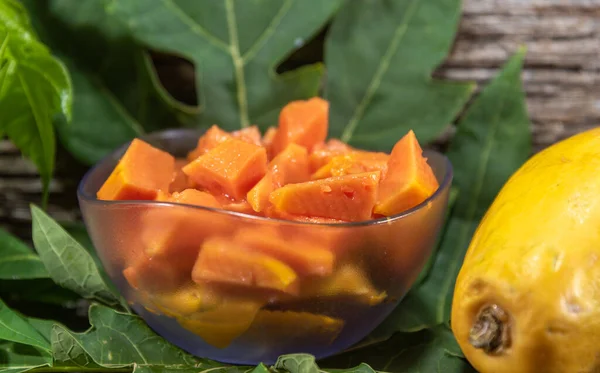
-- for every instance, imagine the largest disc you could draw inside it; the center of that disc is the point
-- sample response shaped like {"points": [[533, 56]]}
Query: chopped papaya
{"points": [[140, 174], [267, 139], [284, 327], [322, 153], [353, 163], [175, 234], [221, 325], [349, 197], [348, 280], [304, 257], [289, 166], [231, 168], [180, 181], [208, 141], [303, 122], [242, 206], [249, 134], [187, 300], [409, 179], [154, 275], [223, 261]]}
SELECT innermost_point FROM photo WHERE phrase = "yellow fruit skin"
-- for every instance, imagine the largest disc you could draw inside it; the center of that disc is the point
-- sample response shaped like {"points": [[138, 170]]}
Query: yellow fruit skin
{"points": [[535, 254]]}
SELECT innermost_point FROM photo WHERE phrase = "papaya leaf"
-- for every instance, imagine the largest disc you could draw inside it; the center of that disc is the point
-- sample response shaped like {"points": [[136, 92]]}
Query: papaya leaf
{"points": [[429, 350], [235, 54], [67, 262], [380, 55], [131, 342], [492, 141], [15, 328], [16, 357], [297, 363], [116, 94], [17, 260], [35, 87]]}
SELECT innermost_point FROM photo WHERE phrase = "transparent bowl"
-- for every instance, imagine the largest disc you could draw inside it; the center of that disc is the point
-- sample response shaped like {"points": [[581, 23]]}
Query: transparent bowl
{"points": [[324, 312]]}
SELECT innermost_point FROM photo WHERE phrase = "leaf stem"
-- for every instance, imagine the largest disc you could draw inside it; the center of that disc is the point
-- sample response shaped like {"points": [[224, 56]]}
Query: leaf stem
{"points": [[238, 64]]}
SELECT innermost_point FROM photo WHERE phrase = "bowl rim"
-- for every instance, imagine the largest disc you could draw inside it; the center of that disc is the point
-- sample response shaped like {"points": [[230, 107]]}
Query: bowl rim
{"points": [[175, 133]]}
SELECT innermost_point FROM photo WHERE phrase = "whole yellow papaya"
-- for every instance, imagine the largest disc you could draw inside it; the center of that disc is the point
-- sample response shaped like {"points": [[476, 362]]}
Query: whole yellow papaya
{"points": [[527, 298]]}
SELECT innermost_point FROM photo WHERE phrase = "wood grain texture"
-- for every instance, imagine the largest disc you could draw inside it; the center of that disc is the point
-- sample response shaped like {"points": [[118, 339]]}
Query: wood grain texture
{"points": [[561, 78]]}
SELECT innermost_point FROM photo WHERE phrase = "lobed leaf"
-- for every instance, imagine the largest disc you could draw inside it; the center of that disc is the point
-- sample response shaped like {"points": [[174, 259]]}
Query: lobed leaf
{"points": [[380, 55], [235, 55]]}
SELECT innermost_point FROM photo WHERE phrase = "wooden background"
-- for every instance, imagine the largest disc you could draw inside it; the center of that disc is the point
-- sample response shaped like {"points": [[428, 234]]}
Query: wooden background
{"points": [[562, 81]]}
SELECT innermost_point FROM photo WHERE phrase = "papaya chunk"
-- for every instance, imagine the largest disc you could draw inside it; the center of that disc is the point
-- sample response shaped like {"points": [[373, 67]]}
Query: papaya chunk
{"points": [[289, 166], [267, 139], [241, 206], [353, 163], [349, 197], [187, 300], [304, 257], [140, 174], [348, 280], [232, 168], [304, 122], [208, 141], [249, 134], [409, 179], [283, 327], [194, 197], [221, 325], [154, 275], [322, 153], [180, 181], [223, 261]]}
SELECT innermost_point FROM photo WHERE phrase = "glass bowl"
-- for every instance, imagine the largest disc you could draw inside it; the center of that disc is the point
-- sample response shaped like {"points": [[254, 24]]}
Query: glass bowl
{"points": [[347, 277]]}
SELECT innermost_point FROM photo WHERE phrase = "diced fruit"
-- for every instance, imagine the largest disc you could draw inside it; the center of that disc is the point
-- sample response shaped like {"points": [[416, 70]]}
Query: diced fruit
{"points": [[353, 163], [241, 206], [232, 168], [211, 138], [140, 174], [267, 139], [185, 301], [154, 275], [348, 280], [409, 179], [304, 257], [349, 197], [249, 134], [303, 122], [176, 234], [283, 327], [180, 181], [289, 166], [224, 323], [224, 261], [322, 153]]}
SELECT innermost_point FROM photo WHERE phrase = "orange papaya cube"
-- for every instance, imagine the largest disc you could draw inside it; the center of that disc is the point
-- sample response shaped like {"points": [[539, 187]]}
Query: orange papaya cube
{"points": [[409, 179], [304, 257], [304, 122], [249, 134], [194, 197], [232, 168], [241, 206], [223, 261], [209, 140], [348, 197], [322, 153], [289, 166], [180, 180], [353, 163], [154, 275], [140, 174], [268, 137]]}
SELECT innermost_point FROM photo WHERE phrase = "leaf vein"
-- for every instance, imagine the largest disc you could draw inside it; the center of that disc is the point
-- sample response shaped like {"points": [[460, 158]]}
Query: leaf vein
{"points": [[238, 64]]}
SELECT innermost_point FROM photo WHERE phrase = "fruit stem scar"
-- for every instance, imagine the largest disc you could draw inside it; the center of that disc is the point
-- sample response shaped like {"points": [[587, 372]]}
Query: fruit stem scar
{"points": [[491, 330]]}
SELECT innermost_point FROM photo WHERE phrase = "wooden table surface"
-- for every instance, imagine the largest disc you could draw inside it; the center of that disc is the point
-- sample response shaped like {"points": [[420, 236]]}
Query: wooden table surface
{"points": [[562, 81]]}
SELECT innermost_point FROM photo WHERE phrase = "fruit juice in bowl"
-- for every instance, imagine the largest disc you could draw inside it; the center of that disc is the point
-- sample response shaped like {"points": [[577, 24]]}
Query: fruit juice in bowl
{"points": [[241, 247]]}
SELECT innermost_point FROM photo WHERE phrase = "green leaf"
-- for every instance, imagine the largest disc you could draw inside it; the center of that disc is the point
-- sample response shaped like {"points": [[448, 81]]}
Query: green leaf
{"points": [[14, 328], [16, 357], [235, 55], [67, 262], [119, 340], [17, 260], [430, 350], [116, 94], [34, 88], [297, 363], [380, 55], [492, 141]]}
